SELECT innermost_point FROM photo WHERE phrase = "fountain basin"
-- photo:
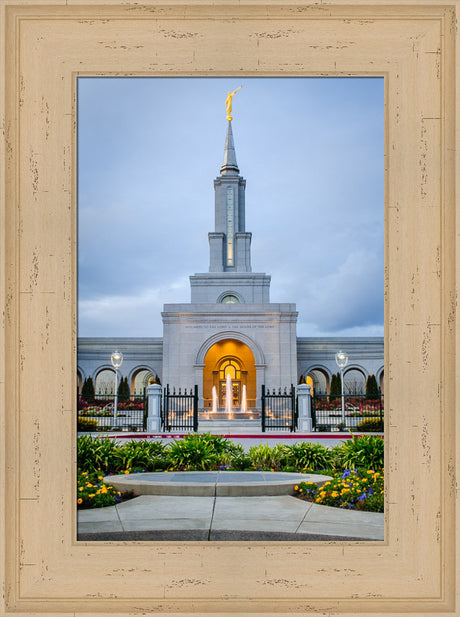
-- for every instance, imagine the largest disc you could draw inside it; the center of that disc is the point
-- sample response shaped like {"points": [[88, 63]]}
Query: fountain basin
{"points": [[213, 483]]}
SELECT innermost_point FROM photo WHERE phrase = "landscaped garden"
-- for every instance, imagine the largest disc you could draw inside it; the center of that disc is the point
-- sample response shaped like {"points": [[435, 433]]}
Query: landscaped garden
{"points": [[356, 466]]}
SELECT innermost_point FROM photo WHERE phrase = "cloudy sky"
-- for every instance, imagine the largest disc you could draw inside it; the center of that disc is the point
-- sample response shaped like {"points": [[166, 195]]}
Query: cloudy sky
{"points": [[311, 150]]}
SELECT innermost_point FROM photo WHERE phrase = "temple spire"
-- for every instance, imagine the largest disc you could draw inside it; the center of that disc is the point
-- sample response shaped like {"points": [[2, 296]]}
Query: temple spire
{"points": [[229, 165]]}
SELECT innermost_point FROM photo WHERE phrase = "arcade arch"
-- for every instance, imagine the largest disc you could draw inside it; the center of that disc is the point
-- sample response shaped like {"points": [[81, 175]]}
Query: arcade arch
{"points": [[319, 380], [140, 380], [381, 380], [229, 357], [354, 381], [105, 382]]}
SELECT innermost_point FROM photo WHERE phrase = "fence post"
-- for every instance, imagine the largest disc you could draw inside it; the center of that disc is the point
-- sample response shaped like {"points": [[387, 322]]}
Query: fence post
{"points": [[293, 410], [304, 402], [154, 408], [195, 408], [263, 408]]}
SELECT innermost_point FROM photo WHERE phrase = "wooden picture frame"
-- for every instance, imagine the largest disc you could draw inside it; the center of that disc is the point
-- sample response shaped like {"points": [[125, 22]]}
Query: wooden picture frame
{"points": [[46, 571]]}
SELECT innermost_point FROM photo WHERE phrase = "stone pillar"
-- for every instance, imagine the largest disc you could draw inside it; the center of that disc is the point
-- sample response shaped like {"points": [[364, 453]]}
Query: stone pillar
{"points": [[154, 418], [304, 423], [199, 380], [260, 379]]}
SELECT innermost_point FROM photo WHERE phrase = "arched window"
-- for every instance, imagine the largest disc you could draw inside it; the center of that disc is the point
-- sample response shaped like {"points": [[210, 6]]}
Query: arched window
{"points": [[230, 367], [229, 299]]}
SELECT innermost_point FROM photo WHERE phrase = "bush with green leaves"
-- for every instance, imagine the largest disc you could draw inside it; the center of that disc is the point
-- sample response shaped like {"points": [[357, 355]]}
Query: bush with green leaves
{"points": [[310, 456], [264, 457], [87, 390], [336, 387], [364, 451], [372, 389], [192, 452], [94, 453], [123, 388], [219, 445], [142, 455], [370, 425]]}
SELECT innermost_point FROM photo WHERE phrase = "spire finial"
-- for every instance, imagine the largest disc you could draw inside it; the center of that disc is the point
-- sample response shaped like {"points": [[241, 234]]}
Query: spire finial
{"points": [[229, 165], [228, 102]]}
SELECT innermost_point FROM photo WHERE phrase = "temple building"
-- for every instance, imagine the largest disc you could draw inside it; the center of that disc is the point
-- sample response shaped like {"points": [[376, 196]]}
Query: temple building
{"points": [[230, 327]]}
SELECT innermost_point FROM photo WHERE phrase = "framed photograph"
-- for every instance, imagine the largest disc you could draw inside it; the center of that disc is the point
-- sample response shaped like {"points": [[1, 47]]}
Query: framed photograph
{"points": [[47, 48]]}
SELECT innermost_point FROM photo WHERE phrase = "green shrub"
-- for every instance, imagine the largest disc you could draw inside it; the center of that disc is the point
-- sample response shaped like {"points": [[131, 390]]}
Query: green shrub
{"points": [[94, 453], [123, 388], [142, 455], [191, 452], [365, 451], [372, 389], [336, 387], [87, 390], [264, 457], [219, 445], [237, 460], [311, 456], [371, 425]]}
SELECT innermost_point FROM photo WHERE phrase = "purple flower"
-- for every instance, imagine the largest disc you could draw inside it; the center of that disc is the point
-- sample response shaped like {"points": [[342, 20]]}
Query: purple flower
{"points": [[362, 497]]}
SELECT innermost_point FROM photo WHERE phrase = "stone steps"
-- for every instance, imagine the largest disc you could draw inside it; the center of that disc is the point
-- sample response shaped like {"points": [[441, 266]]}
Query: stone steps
{"points": [[228, 427]]}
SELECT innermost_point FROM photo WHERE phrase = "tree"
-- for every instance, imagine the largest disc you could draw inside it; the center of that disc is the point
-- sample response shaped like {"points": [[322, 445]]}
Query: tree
{"points": [[123, 388], [336, 387], [87, 390], [372, 389]]}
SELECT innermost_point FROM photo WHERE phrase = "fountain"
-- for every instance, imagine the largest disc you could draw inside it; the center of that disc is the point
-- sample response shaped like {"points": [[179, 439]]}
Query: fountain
{"points": [[244, 403], [229, 396], [214, 399]]}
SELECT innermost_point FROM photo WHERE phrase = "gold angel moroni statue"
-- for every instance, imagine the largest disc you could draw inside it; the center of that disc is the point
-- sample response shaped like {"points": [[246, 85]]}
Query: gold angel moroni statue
{"points": [[228, 102]]}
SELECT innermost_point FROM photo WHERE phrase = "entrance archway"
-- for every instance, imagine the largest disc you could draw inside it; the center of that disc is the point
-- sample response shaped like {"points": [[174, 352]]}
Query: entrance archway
{"points": [[234, 358]]}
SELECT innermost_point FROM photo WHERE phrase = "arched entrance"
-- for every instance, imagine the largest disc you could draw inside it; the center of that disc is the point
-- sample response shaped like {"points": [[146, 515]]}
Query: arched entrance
{"points": [[229, 357]]}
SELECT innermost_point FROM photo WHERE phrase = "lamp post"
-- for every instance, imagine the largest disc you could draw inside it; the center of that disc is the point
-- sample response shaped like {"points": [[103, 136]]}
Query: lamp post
{"points": [[116, 358], [341, 360]]}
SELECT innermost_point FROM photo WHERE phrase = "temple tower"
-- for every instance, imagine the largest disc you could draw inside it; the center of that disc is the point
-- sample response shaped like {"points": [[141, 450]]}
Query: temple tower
{"points": [[230, 326], [230, 278]]}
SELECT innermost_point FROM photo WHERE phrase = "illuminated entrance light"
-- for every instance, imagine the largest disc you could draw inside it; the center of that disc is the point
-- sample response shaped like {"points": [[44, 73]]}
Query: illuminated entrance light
{"points": [[234, 358]]}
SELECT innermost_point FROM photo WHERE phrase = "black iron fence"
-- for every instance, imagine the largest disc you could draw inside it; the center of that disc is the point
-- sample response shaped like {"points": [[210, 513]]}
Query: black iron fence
{"points": [[359, 413], [279, 412], [98, 413], [180, 410]]}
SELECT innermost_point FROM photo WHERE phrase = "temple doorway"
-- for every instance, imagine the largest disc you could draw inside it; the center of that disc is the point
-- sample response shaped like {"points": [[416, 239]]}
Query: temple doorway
{"points": [[230, 363]]}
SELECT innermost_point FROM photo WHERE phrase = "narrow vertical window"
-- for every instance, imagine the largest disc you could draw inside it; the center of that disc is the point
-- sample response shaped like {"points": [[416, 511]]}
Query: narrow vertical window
{"points": [[230, 224]]}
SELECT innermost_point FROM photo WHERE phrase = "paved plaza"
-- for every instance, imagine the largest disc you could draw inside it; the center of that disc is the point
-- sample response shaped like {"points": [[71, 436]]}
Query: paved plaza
{"points": [[223, 506], [167, 517]]}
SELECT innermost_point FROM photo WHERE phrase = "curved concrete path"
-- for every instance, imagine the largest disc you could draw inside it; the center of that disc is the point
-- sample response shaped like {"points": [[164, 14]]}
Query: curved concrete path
{"points": [[213, 483], [178, 518]]}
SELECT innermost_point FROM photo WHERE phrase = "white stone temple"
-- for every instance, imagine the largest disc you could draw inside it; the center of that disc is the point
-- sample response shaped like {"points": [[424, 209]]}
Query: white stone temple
{"points": [[230, 327]]}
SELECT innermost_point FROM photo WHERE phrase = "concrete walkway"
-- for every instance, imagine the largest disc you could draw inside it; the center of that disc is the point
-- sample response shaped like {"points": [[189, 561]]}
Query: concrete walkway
{"points": [[282, 517]]}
